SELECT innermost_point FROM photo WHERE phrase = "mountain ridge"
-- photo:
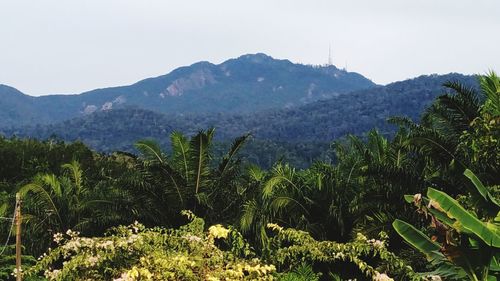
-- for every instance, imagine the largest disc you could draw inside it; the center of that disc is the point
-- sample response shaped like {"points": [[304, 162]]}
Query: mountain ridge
{"points": [[249, 83], [320, 121]]}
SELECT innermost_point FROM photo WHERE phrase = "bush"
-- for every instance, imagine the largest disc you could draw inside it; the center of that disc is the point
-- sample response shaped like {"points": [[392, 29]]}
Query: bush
{"points": [[136, 253]]}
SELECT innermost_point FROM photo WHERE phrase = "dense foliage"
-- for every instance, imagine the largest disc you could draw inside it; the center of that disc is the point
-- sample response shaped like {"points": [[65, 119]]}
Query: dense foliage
{"points": [[281, 223], [137, 253]]}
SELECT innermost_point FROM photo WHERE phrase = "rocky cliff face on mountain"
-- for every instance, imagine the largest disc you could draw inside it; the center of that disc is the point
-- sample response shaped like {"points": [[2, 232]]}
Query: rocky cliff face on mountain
{"points": [[246, 84]]}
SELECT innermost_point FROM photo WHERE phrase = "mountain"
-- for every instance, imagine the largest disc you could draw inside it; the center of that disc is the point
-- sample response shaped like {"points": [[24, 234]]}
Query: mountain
{"points": [[246, 84], [357, 112], [15, 107], [317, 122]]}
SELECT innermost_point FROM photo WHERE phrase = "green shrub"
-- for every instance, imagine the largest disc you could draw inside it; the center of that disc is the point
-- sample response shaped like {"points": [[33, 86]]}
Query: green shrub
{"points": [[137, 253]]}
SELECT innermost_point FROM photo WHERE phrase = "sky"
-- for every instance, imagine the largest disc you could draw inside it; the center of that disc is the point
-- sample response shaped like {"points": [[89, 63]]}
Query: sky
{"points": [[70, 46]]}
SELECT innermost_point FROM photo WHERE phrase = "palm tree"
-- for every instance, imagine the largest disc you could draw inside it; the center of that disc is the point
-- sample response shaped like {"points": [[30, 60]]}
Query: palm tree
{"points": [[317, 200], [454, 131], [379, 171], [282, 198], [58, 203], [188, 178], [480, 146], [490, 87]]}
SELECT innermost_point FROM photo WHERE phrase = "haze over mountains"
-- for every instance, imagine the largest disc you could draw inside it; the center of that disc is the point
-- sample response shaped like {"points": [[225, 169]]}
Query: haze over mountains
{"points": [[275, 100]]}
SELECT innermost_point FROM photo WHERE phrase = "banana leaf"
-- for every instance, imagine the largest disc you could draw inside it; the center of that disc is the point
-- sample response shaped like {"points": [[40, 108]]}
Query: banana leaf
{"points": [[418, 240], [483, 191], [489, 233], [409, 198], [442, 217]]}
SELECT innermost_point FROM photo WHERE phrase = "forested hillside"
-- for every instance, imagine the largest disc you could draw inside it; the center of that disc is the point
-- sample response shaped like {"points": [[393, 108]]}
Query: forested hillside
{"points": [[16, 108], [313, 125]]}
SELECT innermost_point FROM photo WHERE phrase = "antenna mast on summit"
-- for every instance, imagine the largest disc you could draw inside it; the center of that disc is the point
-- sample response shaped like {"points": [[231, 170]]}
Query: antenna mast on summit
{"points": [[330, 62]]}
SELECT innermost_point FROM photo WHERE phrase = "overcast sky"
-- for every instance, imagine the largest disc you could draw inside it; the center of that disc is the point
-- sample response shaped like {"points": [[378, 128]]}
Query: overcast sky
{"points": [[65, 46]]}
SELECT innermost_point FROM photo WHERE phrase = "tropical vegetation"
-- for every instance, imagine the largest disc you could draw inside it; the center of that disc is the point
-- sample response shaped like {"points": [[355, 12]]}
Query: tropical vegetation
{"points": [[422, 204]]}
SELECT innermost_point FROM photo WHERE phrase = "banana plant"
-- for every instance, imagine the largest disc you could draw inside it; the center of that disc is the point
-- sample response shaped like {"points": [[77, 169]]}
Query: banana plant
{"points": [[462, 245]]}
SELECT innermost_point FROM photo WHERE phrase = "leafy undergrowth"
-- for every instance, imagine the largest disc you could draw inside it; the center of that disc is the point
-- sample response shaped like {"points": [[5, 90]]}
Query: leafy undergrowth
{"points": [[137, 253], [190, 253]]}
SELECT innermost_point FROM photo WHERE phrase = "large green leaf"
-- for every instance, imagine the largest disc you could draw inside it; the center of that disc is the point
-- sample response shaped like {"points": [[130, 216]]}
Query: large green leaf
{"points": [[442, 217], [477, 183], [487, 233], [447, 270], [409, 198], [418, 240], [485, 194]]}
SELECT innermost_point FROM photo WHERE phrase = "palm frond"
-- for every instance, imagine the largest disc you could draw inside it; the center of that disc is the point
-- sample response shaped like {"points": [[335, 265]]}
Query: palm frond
{"points": [[255, 173], [52, 182], [151, 151], [249, 215], [199, 157], [180, 152], [41, 197], [490, 87], [404, 122], [281, 203], [235, 147], [76, 174]]}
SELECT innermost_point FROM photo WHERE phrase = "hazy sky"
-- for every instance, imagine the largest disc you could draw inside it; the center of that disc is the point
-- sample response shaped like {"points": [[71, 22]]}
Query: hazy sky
{"points": [[70, 46]]}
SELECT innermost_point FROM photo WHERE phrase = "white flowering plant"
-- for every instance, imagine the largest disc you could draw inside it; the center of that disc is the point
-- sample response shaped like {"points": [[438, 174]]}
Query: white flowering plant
{"points": [[135, 252]]}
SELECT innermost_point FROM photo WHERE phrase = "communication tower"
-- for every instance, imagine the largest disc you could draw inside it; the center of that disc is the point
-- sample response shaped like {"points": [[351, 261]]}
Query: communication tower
{"points": [[330, 61]]}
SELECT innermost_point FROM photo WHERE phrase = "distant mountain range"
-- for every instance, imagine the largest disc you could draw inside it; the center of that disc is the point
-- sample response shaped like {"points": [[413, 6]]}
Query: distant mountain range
{"points": [[247, 84], [317, 122], [293, 111]]}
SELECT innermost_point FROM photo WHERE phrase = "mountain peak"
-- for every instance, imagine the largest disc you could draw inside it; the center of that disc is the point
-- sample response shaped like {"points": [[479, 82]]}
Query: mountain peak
{"points": [[8, 90], [249, 83], [201, 64], [256, 58]]}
